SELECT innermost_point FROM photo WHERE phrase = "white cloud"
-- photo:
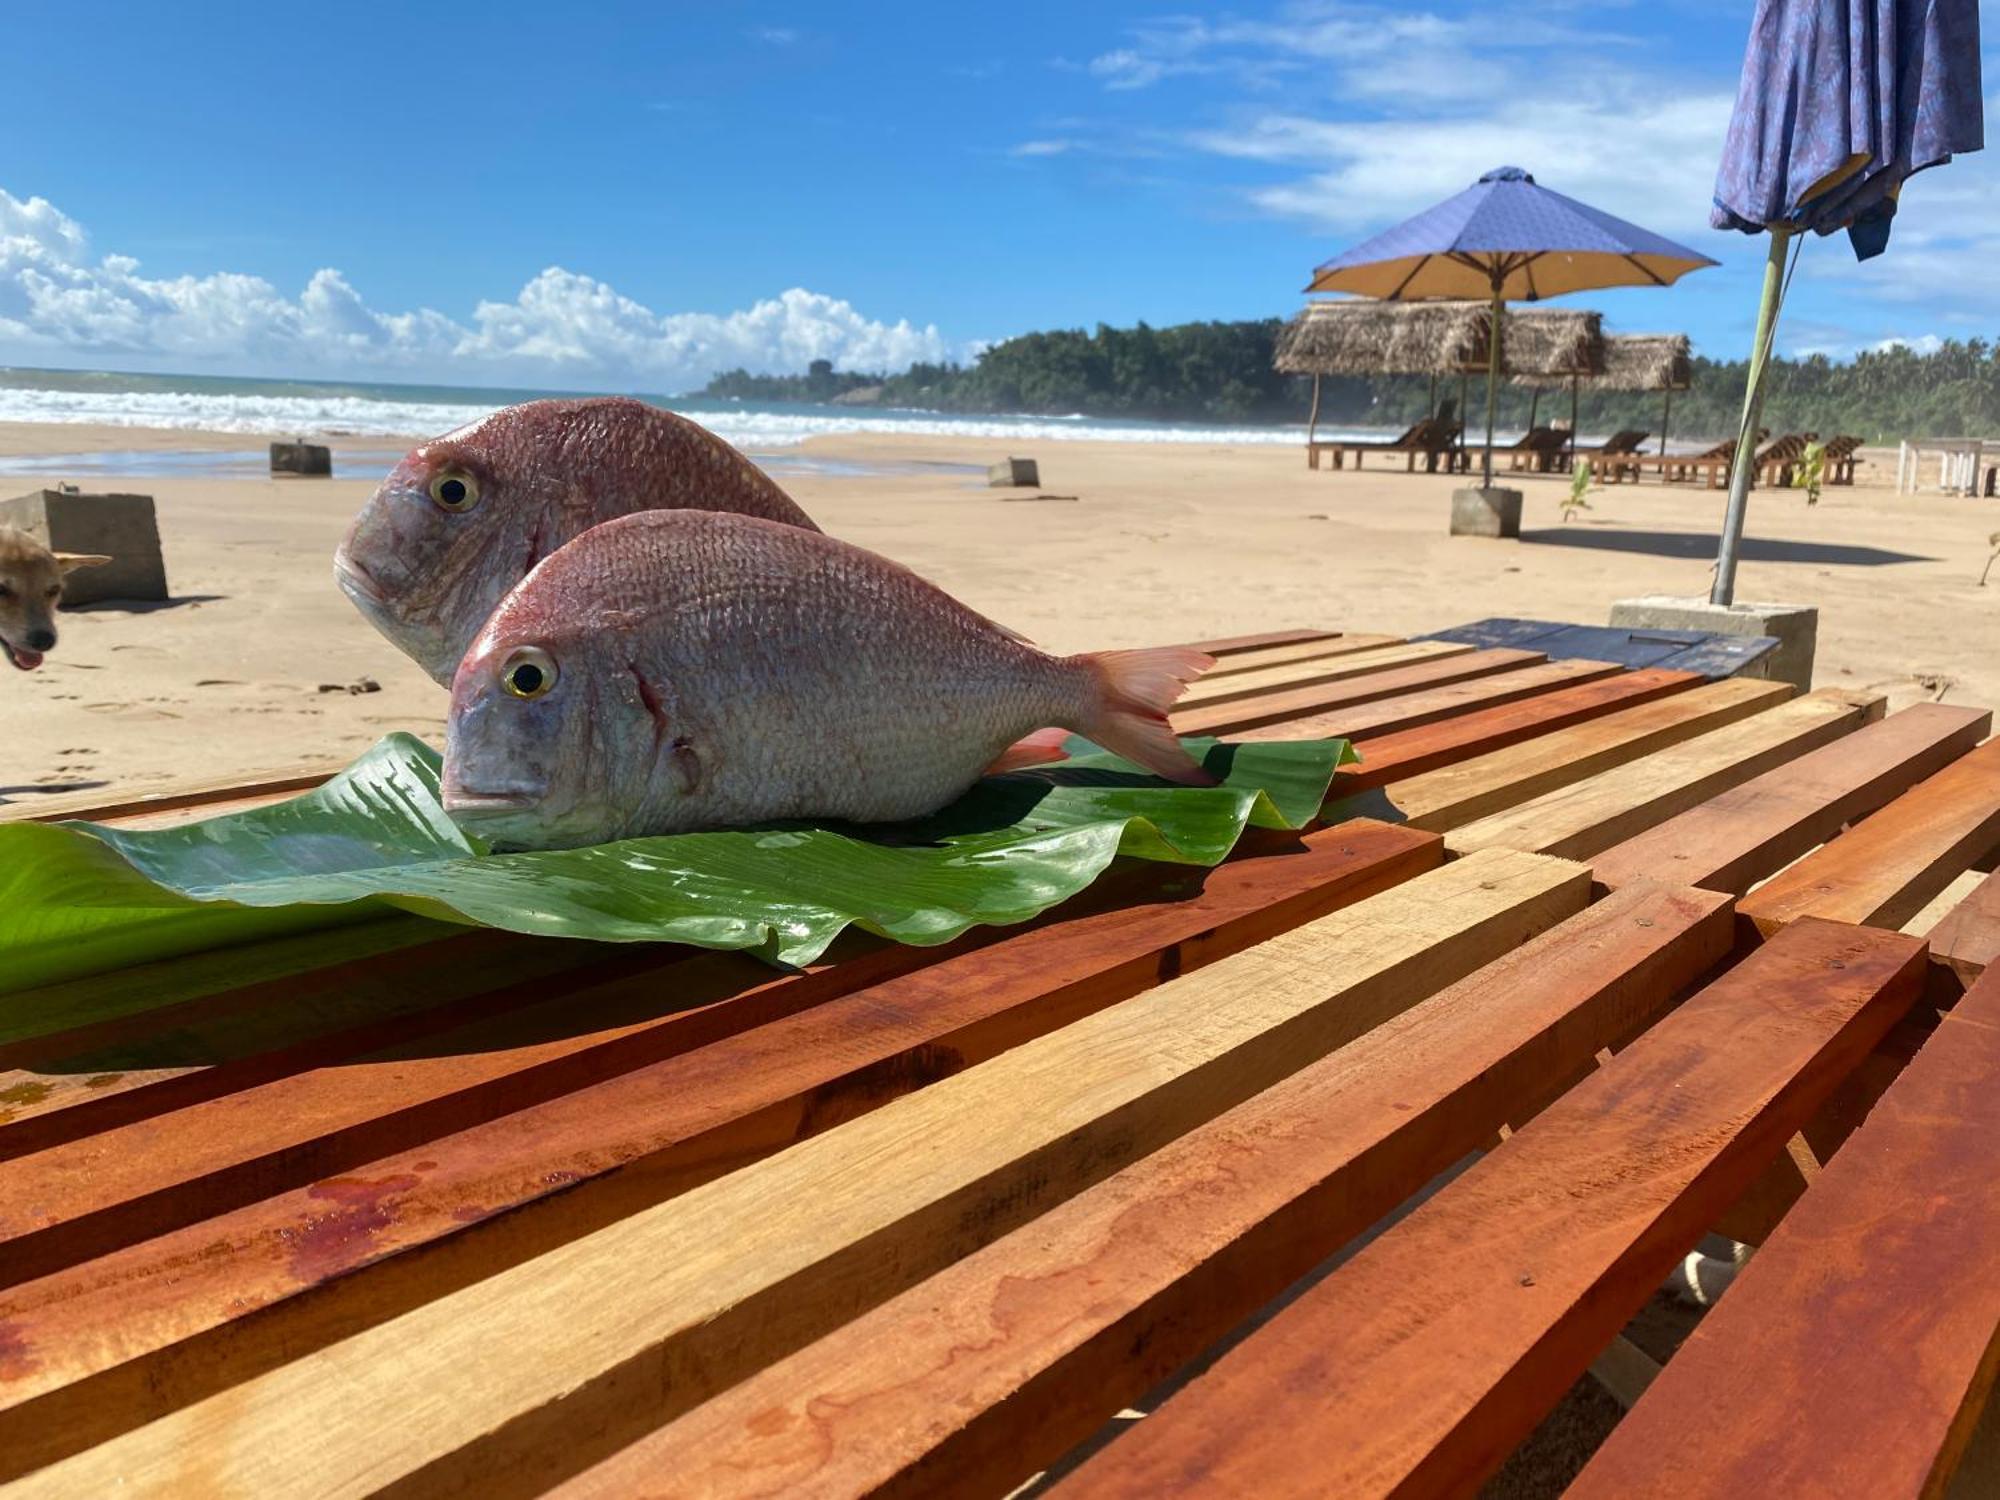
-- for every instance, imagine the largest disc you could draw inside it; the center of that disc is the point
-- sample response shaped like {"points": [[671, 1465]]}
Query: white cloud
{"points": [[57, 303], [1923, 343], [776, 36], [1041, 148]]}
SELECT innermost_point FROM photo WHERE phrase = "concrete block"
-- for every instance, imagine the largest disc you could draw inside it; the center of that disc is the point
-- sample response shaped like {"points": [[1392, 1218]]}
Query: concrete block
{"points": [[1484, 512], [119, 526], [308, 460], [1795, 625], [1012, 471]]}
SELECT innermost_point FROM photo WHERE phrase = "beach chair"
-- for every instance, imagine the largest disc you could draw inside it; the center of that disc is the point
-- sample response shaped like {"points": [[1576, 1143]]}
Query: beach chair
{"points": [[1712, 465], [1431, 439], [1617, 458], [1837, 466], [1540, 450], [1777, 463]]}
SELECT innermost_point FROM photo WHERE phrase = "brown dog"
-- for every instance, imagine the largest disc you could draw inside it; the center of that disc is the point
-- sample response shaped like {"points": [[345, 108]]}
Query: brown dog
{"points": [[31, 581]]}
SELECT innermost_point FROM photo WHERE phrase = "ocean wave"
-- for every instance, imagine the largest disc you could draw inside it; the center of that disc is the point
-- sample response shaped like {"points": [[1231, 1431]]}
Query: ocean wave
{"points": [[746, 426]]}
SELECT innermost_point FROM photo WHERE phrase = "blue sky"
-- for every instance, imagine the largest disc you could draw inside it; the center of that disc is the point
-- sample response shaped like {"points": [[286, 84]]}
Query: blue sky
{"points": [[619, 195]]}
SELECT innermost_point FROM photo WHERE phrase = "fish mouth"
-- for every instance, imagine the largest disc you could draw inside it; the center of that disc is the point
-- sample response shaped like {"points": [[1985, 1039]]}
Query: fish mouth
{"points": [[496, 800], [20, 658], [355, 582]]}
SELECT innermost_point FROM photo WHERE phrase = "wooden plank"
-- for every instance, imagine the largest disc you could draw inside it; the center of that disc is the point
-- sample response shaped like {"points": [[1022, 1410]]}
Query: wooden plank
{"points": [[1294, 703], [1419, 1364], [1235, 687], [1274, 656], [971, 1381], [255, 1134], [1733, 840], [1883, 872], [648, 1315], [1967, 940], [1722, 655], [1452, 701], [1232, 645], [1589, 816], [95, 807], [1469, 789], [1393, 754], [1710, 655], [1497, 631], [1854, 1354], [158, 1323]]}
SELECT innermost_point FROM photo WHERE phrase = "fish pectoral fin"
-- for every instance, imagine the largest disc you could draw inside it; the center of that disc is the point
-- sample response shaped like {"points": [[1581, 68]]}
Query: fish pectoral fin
{"points": [[686, 765]]}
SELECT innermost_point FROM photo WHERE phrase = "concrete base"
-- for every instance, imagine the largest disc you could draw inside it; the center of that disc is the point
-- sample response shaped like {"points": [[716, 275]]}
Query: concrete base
{"points": [[119, 526], [1481, 512], [1795, 625]]}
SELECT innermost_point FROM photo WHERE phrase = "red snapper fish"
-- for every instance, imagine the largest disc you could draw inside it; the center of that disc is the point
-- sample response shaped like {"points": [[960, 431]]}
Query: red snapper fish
{"points": [[464, 517], [682, 670]]}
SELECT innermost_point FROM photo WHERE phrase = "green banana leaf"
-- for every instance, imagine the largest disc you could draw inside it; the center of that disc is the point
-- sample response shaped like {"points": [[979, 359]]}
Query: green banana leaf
{"points": [[79, 898]]}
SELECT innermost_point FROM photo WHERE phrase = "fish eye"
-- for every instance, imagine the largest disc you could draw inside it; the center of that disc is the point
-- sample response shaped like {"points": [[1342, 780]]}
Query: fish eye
{"points": [[528, 672], [454, 490]]}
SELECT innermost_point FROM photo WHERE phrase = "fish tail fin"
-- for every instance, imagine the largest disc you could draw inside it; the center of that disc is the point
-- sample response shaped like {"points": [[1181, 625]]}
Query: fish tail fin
{"points": [[1134, 691], [1036, 749]]}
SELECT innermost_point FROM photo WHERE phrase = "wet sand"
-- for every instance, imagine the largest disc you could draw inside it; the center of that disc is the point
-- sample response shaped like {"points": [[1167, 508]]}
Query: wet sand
{"points": [[1160, 542]]}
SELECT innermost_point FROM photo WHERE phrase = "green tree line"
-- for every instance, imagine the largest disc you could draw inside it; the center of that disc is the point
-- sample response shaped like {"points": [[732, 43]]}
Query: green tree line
{"points": [[1221, 372]]}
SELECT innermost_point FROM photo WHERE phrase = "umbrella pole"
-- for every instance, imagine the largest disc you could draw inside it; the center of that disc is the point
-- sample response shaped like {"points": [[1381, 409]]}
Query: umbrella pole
{"points": [[1492, 385], [1666, 416], [1571, 444], [1744, 459], [1434, 393], [1312, 417], [1534, 406]]}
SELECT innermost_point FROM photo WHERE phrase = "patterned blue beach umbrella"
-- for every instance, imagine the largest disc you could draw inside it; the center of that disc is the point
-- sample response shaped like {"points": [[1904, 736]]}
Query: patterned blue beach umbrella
{"points": [[1510, 240], [1840, 102]]}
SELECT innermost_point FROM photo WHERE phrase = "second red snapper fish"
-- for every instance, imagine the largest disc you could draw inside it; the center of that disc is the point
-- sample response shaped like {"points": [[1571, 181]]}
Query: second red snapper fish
{"points": [[683, 670], [463, 517]]}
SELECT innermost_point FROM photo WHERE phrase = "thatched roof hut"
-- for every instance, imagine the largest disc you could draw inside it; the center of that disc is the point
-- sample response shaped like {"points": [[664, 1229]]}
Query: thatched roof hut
{"points": [[1631, 362], [1365, 337]]}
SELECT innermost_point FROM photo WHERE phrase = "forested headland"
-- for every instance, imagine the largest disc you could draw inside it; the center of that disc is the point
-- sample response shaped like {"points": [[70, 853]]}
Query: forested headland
{"points": [[1221, 372]]}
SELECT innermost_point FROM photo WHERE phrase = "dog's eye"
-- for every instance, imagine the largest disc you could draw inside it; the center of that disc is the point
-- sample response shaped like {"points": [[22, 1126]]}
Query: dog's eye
{"points": [[454, 490]]}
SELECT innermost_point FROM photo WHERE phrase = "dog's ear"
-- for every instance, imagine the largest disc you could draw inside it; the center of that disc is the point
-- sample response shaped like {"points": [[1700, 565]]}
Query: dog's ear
{"points": [[69, 562]]}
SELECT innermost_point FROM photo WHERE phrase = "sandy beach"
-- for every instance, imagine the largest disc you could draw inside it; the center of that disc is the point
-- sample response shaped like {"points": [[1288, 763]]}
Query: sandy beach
{"points": [[247, 668]]}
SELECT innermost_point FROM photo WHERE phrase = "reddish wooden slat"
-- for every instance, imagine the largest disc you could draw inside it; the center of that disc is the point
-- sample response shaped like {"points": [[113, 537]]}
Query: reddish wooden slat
{"points": [[1295, 703], [1885, 871], [1437, 705], [1854, 1353], [969, 1382], [1416, 1367], [585, 1155], [1742, 835], [1967, 940], [1389, 754]]}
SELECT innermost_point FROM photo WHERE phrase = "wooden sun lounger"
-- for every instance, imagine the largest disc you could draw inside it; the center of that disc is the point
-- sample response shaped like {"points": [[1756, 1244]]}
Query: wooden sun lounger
{"points": [[1431, 439], [1620, 445], [601, 1220], [1540, 449], [1711, 464]]}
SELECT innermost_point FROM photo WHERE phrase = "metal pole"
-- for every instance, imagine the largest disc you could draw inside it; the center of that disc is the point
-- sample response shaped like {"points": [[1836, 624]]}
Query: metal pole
{"points": [[1744, 459], [1492, 383]]}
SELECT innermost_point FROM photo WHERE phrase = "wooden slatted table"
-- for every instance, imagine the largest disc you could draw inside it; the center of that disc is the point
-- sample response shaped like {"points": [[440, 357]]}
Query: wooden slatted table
{"points": [[406, 1207]]}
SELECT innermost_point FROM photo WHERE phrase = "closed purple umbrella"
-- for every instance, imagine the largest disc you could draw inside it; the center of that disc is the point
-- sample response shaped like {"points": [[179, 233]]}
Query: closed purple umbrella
{"points": [[1507, 239], [1840, 102]]}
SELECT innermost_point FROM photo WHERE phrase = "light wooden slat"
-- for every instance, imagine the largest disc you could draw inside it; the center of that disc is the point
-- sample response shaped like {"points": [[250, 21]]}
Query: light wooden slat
{"points": [[1967, 940], [247, 787], [1236, 644], [1475, 729], [1289, 704], [972, 1380], [1853, 1354], [1275, 656], [1418, 1366], [1737, 838], [1470, 789], [1589, 816], [154, 1173], [1436, 705], [657, 1311], [157, 1324], [1883, 872], [1234, 688]]}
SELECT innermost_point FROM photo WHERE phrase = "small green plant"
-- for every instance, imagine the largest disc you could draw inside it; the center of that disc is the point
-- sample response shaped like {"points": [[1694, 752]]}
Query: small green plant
{"points": [[1579, 486], [1992, 557], [1812, 471]]}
